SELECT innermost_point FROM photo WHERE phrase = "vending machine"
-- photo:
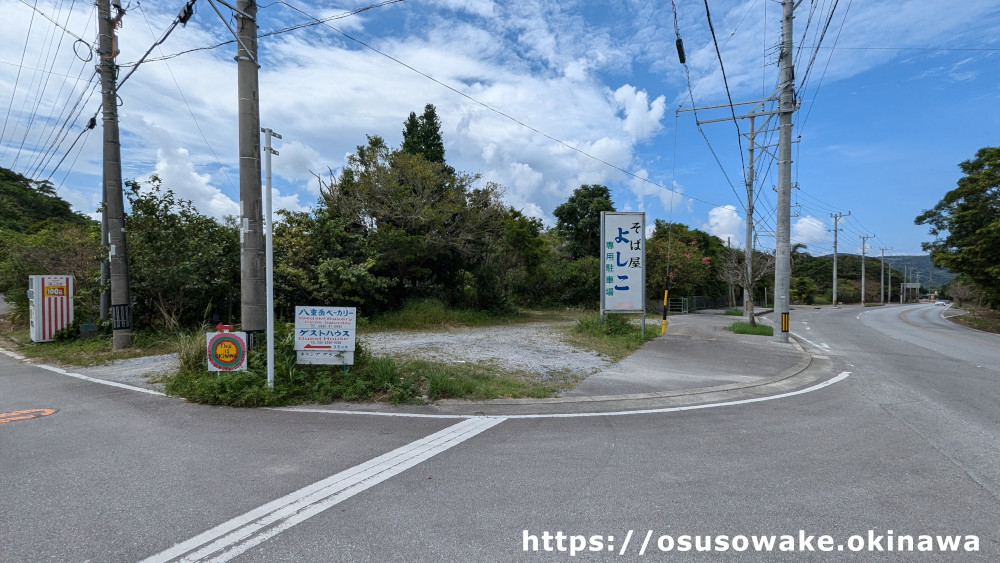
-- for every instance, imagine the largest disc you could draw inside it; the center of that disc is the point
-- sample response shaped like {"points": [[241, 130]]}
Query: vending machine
{"points": [[50, 306]]}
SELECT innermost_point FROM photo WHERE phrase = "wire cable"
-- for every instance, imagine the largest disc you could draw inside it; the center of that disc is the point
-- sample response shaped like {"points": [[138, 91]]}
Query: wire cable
{"points": [[725, 81], [501, 113]]}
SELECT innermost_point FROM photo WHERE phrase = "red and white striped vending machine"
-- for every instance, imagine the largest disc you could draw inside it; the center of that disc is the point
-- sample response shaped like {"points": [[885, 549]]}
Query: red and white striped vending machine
{"points": [[50, 305]]}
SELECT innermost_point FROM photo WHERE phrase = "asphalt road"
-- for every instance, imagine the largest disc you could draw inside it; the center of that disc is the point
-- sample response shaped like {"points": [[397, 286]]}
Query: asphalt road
{"points": [[908, 443]]}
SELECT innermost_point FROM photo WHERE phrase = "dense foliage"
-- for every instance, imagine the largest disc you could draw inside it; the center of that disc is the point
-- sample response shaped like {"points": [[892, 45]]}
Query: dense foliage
{"points": [[966, 225], [40, 234], [183, 266]]}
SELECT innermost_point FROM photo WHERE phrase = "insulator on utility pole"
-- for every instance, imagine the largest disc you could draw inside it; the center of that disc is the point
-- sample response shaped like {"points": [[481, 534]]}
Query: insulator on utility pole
{"points": [[114, 205]]}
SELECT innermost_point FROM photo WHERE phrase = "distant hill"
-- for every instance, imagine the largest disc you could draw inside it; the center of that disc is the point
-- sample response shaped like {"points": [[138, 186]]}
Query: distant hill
{"points": [[25, 203], [930, 276]]}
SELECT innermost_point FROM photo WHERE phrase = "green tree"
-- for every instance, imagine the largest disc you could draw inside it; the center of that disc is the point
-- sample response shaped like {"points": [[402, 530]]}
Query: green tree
{"points": [[184, 267], [426, 225], [804, 290], [693, 261], [422, 136], [52, 247], [318, 260], [25, 203], [966, 224], [578, 220]]}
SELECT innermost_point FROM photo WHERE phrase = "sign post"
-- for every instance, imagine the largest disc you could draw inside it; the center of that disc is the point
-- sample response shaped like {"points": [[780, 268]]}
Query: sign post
{"points": [[325, 335], [623, 272]]}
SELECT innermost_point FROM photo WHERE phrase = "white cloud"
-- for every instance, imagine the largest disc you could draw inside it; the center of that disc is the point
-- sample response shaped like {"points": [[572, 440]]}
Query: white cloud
{"points": [[725, 223], [808, 230], [642, 117]]}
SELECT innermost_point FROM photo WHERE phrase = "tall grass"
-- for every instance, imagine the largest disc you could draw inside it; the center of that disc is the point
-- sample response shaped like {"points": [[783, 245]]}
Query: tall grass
{"points": [[745, 328]]}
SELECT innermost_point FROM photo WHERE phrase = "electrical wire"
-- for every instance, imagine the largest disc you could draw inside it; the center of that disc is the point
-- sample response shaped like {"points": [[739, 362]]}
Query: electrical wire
{"points": [[17, 79], [725, 81], [44, 82], [499, 112], [191, 111], [687, 75], [54, 22]]}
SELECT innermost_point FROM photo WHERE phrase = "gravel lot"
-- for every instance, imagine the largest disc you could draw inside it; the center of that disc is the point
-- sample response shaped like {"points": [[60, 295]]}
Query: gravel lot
{"points": [[535, 348]]}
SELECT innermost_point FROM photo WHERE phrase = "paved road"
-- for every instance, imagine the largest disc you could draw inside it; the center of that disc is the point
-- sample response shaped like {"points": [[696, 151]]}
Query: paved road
{"points": [[908, 442]]}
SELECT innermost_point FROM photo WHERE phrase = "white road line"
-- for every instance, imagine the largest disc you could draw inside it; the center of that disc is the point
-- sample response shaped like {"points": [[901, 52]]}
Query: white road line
{"points": [[821, 345], [61, 371], [838, 378], [232, 538]]}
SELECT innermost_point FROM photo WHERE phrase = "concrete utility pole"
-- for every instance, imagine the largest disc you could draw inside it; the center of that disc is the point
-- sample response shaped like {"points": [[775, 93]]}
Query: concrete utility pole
{"points": [[836, 219], [757, 111], [888, 285], [864, 244], [786, 106], [252, 259], [881, 280], [114, 203]]}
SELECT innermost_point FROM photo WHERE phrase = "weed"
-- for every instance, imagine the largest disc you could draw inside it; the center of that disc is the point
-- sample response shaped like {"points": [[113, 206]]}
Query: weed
{"points": [[740, 327]]}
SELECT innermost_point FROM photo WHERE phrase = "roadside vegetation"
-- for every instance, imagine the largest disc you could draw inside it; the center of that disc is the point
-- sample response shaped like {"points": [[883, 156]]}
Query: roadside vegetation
{"points": [[741, 327]]}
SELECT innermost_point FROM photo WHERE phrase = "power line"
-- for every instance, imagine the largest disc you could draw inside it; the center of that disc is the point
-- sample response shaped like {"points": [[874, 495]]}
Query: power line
{"points": [[725, 81], [687, 75], [500, 113], [54, 22], [44, 82], [17, 79], [190, 111]]}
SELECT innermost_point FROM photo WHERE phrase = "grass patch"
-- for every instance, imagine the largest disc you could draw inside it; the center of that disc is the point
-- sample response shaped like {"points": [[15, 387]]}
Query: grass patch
{"points": [[740, 327], [93, 351], [734, 312], [980, 319], [617, 337], [370, 379]]}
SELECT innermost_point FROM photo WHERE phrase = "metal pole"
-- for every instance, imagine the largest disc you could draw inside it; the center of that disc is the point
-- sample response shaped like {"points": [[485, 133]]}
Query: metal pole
{"points": [[252, 266], [269, 253], [114, 202], [748, 245], [786, 104]]}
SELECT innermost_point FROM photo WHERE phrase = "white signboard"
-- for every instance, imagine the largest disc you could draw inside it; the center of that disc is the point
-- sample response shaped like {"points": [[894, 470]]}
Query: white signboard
{"points": [[623, 263], [325, 335]]}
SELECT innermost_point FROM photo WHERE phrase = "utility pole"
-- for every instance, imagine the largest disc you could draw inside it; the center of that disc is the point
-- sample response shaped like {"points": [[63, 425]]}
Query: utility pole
{"points": [[836, 219], [786, 106], [252, 259], [748, 244], [881, 280], [889, 285], [731, 295], [114, 204], [864, 244], [757, 111]]}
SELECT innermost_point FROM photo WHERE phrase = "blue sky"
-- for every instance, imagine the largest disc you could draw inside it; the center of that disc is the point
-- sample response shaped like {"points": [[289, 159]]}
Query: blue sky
{"points": [[898, 94]]}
